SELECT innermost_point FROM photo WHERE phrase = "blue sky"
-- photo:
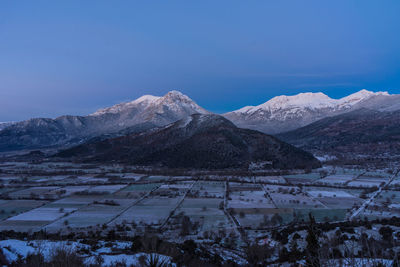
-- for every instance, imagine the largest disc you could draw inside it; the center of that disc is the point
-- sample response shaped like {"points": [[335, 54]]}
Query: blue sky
{"points": [[72, 57]]}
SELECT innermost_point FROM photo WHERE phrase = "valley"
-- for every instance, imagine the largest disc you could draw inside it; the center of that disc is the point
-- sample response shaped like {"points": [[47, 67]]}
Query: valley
{"points": [[199, 134], [219, 211]]}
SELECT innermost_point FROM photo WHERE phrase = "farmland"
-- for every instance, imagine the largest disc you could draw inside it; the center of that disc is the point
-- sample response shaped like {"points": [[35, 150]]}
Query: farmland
{"points": [[220, 211], [66, 197]]}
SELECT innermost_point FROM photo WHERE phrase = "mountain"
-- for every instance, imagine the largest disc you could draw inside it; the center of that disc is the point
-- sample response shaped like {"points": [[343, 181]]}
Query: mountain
{"points": [[141, 114], [280, 114], [285, 113], [4, 125], [158, 110], [198, 141], [362, 131]]}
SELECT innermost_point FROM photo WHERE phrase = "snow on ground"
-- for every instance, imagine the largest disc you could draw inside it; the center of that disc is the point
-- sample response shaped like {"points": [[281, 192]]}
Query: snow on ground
{"points": [[52, 178], [320, 193], [42, 214], [326, 158], [394, 206], [107, 188], [358, 262], [128, 259], [13, 249], [359, 183], [175, 186]]}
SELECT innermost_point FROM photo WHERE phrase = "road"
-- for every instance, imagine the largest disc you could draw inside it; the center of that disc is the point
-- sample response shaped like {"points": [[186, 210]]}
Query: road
{"points": [[374, 195]]}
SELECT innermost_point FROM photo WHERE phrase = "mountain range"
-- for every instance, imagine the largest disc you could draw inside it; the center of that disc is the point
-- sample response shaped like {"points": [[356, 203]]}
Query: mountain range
{"points": [[141, 114], [308, 120], [285, 113]]}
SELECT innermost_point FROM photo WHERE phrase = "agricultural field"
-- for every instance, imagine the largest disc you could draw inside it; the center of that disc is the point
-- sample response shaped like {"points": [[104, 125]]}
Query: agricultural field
{"points": [[35, 192], [336, 180], [389, 196], [302, 178], [205, 189], [79, 197], [206, 213], [335, 198], [270, 179], [149, 211], [367, 181]]}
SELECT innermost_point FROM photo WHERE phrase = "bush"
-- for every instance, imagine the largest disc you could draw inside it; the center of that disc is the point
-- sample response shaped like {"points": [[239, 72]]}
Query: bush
{"points": [[155, 260]]}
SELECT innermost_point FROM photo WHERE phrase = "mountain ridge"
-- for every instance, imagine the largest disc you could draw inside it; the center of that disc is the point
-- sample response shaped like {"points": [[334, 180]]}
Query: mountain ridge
{"points": [[150, 111], [277, 115], [285, 113], [198, 141], [363, 131]]}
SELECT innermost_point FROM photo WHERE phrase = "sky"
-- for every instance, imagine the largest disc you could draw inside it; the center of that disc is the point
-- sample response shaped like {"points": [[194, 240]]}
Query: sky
{"points": [[73, 57]]}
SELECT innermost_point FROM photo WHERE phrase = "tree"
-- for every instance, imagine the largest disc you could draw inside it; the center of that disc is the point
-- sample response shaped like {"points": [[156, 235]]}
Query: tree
{"points": [[136, 243], [266, 220], [323, 174], [312, 249], [256, 255], [396, 260], [386, 233], [189, 246], [276, 219], [294, 250], [186, 226]]}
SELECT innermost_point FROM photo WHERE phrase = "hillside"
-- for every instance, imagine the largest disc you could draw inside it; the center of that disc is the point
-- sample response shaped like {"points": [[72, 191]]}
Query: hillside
{"points": [[141, 114], [362, 131], [199, 141]]}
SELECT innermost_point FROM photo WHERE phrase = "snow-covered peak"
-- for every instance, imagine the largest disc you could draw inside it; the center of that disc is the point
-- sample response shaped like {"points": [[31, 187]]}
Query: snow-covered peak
{"points": [[146, 99], [305, 100], [310, 101], [360, 96], [4, 125], [302, 100], [175, 96], [175, 93], [174, 100]]}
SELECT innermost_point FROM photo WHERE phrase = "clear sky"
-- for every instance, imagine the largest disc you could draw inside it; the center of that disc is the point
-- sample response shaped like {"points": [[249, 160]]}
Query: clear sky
{"points": [[73, 57]]}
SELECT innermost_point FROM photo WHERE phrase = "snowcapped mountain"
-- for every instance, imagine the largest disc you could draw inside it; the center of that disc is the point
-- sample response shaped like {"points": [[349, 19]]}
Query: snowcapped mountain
{"points": [[148, 109], [142, 101], [5, 124], [280, 114], [141, 114], [284, 113]]}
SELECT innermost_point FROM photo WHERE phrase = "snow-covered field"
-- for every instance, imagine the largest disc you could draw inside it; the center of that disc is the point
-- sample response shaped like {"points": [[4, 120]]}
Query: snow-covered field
{"points": [[42, 214], [320, 193], [249, 199], [107, 188], [336, 179]]}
